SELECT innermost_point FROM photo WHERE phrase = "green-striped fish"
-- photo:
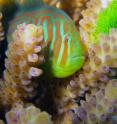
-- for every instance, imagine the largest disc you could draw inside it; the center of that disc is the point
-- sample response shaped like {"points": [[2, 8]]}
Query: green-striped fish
{"points": [[65, 50]]}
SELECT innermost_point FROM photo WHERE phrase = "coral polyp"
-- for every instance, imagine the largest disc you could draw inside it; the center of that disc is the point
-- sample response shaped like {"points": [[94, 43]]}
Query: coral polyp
{"points": [[22, 63], [99, 68], [27, 115], [101, 62], [100, 106], [93, 22]]}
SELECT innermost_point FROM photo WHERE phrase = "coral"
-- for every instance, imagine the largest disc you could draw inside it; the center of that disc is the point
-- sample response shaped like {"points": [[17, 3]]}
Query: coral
{"points": [[8, 94], [100, 105], [101, 63], [97, 70], [1, 28], [52, 2], [93, 22], [30, 114], [1, 122], [22, 64], [99, 66], [72, 7]]}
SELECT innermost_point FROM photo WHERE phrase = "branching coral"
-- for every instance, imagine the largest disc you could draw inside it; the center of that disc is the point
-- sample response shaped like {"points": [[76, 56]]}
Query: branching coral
{"points": [[93, 22], [30, 114], [72, 7], [1, 122], [100, 38], [101, 64], [101, 45], [96, 71], [52, 2], [101, 59], [22, 64], [1, 28], [8, 94], [100, 106]]}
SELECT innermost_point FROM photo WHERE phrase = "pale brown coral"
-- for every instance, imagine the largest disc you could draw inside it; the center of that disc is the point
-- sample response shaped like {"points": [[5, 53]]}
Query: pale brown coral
{"points": [[101, 105], [72, 7], [96, 71], [1, 28], [1, 122], [22, 63], [52, 2], [8, 94], [90, 15], [29, 114], [101, 63], [99, 108]]}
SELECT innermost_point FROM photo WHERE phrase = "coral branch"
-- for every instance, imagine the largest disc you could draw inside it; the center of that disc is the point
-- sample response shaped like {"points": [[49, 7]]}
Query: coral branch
{"points": [[22, 63], [96, 71], [101, 63], [30, 114], [1, 28], [101, 105], [72, 7], [93, 22]]}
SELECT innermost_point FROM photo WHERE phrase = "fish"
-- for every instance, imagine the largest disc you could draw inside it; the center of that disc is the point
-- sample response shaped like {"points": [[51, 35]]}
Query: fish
{"points": [[62, 47]]}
